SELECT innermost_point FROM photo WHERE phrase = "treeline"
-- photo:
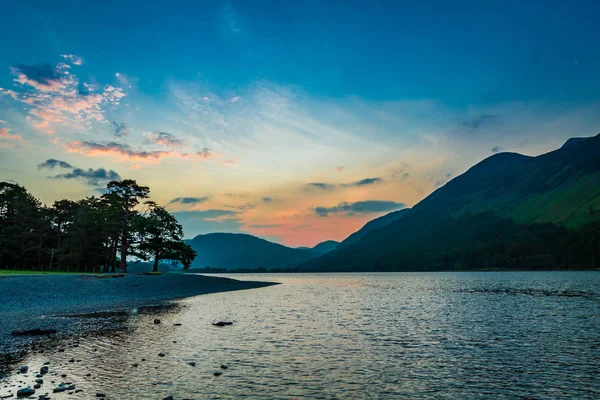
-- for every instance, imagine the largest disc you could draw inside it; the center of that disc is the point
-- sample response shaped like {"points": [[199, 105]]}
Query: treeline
{"points": [[481, 241], [92, 234]]}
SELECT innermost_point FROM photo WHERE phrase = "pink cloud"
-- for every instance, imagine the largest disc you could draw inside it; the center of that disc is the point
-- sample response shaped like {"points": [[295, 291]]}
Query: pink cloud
{"points": [[4, 134], [73, 59], [339, 169], [55, 99]]}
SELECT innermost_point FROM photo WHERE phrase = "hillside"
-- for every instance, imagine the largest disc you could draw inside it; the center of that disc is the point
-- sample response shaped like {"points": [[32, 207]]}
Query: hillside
{"points": [[326, 246], [371, 226], [502, 201], [233, 251]]}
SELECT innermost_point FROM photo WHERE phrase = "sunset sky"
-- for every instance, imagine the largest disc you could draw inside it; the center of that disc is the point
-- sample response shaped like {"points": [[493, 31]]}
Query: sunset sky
{"points": [[294, 121]]}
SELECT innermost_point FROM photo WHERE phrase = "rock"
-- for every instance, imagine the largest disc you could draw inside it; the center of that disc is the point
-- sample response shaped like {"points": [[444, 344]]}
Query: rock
{"points": [[34, 332], [71, 387], [40, 381], [23, 369], [161, 354], [47, 363], [88, 374], [100, 395], [134, 365], [157, 321], [44, 370], [63, 376], [217, 373], [25, 392], [224, 366], [193, 364], [37, 386], [72, 360], [221, 324], [60, 388], [168, 398], [176, 324], [39, 376]]}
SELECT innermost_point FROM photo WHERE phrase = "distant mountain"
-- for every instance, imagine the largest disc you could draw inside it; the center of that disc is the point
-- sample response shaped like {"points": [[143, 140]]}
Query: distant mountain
{"points": [[241, 251], [326, 246], [508, 211], [372, 225]]}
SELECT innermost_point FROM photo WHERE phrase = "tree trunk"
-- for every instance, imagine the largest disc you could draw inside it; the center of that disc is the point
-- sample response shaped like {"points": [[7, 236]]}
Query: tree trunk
{"points": [[124, 255], [156, 259]]}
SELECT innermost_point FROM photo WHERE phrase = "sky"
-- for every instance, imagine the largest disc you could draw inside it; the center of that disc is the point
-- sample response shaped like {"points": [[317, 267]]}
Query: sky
{"points": [[294, 121]]}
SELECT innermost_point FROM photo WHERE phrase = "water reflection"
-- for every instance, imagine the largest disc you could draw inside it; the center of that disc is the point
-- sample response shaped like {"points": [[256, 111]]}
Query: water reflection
{"points": [[490, 335]]}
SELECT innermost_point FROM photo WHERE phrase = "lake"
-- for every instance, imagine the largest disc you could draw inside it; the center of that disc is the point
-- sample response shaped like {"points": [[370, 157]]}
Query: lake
{"points": [[513, 335]]}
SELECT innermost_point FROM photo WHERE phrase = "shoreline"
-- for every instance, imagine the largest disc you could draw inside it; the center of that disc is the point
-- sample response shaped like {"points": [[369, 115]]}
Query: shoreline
{"points": [[76, 305]]}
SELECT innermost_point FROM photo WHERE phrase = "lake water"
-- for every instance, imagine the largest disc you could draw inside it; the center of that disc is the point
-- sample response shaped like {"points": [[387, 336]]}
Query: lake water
{"points": [[522, 335]]}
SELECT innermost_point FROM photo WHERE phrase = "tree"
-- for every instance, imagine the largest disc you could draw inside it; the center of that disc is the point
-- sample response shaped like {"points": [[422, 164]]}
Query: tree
{"points": [[124, 196], [162, 238]]}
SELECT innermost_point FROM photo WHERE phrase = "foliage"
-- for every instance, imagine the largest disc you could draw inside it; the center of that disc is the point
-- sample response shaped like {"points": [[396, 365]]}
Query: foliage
{"points": [[86, 235]]}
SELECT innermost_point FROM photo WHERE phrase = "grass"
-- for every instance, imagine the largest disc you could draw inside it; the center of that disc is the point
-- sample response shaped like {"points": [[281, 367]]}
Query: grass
{"points": [[28, 272]]}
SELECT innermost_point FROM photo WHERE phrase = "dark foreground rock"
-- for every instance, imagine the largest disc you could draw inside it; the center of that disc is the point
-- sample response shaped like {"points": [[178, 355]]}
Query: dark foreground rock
{"points": [[34, 332]]}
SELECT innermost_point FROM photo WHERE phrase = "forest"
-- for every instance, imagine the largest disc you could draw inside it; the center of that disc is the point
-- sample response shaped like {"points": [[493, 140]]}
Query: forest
{"points": [[95, 234], [474, 241]]}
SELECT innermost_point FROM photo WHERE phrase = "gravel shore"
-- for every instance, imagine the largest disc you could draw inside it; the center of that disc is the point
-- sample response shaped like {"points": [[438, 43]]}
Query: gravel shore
{"points": [[35, 301]]}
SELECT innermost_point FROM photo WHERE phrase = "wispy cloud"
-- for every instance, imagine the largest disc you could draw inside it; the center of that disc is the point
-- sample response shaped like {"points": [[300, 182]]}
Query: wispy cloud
{"points": [[322, 185], [330, 186], [163, 138], [73, 59], [52, 97], [205, 153], [189, 200], [360, 207], [122, 151], [120, 129], [443, 180], [339, 169]]}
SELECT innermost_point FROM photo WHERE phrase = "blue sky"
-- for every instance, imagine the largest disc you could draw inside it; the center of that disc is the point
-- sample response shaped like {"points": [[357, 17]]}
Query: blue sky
{"points": [[272, 97]]}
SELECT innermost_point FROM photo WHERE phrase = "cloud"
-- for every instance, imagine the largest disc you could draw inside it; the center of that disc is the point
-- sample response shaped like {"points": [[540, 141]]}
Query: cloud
{"points": [[123, 80], [205, 153], [230, 162], [443, 180], [339, 169], [477, 122], [189, 200], [42, 77], [496, 149], [208, 221], [53, 96], [235, 99], [322, 185], [92, 177], [360, 207], [53, 163], [123, 151], [73, 59], [163, 138], [6, 135], [364, 182], [329, 186], [267, 199], [243, 207], [120, 128]]}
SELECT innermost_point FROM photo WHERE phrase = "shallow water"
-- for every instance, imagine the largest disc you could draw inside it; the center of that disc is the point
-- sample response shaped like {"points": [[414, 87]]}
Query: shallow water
{"points": [[399, 335]]}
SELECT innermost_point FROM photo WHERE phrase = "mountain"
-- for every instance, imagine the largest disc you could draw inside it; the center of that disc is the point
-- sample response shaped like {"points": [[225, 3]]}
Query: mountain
{"points": [[241, 251], [325, 247], [372, 225], [508, 211]]}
